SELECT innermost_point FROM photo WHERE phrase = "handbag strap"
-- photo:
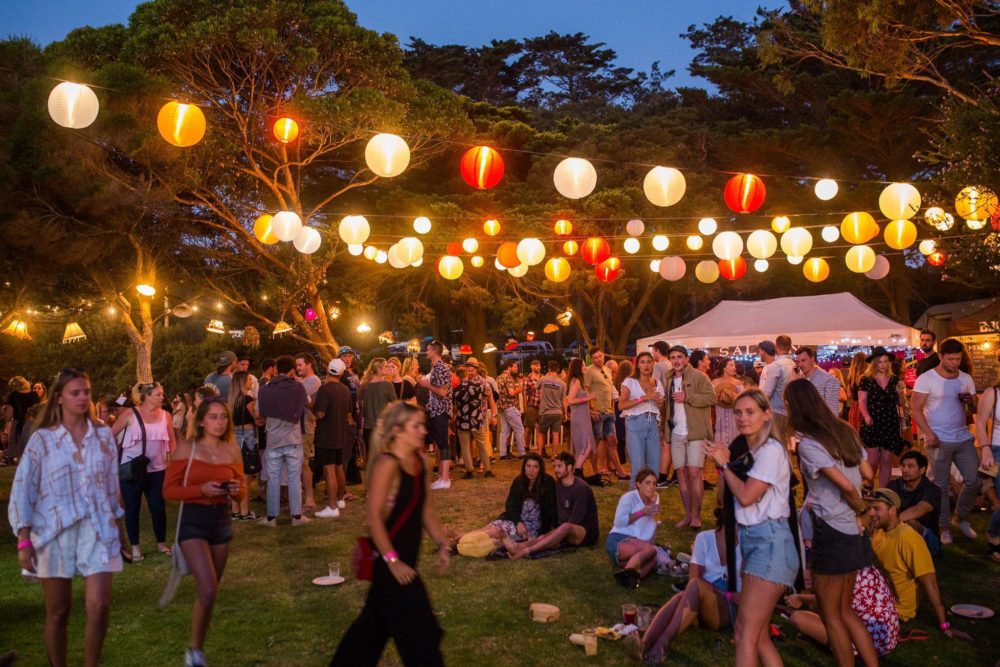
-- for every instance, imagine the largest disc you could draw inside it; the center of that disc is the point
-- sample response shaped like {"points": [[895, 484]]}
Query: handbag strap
{"points": [[408, 510], [184, 483], [142, 429]]}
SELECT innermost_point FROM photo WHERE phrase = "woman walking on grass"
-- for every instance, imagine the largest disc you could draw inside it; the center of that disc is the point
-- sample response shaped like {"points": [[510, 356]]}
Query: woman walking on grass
{"points": [[243, 408], [581, 428]]}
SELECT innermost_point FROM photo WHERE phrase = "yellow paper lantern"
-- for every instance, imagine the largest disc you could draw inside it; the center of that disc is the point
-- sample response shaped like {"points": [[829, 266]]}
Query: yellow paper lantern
{"points": [[660, 242], [73, 105], [858, 227], [263, 231], [387, 155], [900, 234], [707, 226], [410, 249], [181, 125], [762, 243], [491, 227], [470, 245], [286, 225], [826, 189], [976, 203], [18, 329], [899, 201], [530, 251], [830, 233], [574, 178], [518, 271], [307, 241], [631, 245], [707, 271], [727, 245], [477, 261], [286, 130], [695, 242], [860, 259], [73, 333], [781, 224], [395, 260], [761, 265], [354, 229], [571, 248], [557, 269], [664, 186], [796, 242], [370, 252], [421, 225], [635, 227], [451, 267], [816, 269], [563, 227]]}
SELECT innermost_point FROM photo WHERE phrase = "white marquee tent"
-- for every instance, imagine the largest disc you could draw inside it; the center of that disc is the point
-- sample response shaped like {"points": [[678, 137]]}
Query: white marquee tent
{"points": [[826, 319]]}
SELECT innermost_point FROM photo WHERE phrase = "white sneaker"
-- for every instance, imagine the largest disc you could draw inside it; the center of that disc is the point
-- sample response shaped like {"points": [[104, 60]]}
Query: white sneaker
{"points": [[194, 658], [946, 536], [270, 523], [341, 504], [966, 529], [301, 521], [441, 484], [327, 513]]}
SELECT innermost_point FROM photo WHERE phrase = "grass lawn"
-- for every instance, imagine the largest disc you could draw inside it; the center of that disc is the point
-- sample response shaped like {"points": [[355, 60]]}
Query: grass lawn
{"points": [[269, 613]]}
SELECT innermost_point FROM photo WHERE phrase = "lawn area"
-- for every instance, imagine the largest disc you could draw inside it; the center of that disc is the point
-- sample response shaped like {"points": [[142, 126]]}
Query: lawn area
{"points": [[269, 613]]}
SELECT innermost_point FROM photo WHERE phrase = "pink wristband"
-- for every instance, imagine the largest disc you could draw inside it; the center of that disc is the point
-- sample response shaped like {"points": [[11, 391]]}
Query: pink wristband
{"points": [[390, 556], [24, 544], [944, 626], [729, 596]]}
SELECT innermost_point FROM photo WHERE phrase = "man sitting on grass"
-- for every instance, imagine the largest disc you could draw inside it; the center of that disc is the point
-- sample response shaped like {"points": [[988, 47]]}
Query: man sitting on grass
{"points": [[920, 499], [576, 512]]}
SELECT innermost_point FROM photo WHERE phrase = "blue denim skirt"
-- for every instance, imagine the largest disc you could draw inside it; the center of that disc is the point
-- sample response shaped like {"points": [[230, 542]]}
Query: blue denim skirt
{"points": [[769, 551]]}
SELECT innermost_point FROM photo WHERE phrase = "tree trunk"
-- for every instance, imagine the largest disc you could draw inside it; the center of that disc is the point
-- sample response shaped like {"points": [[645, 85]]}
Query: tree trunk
{"points": [[626, 331], [475, 333]]}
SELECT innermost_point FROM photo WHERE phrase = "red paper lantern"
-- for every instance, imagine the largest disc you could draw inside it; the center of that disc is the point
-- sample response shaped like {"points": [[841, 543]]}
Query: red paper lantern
{"points": [[732, 269], [454, 248], [507, 255], [936, 258], [595, 250], [609, 269], [482, 167], [745, 193]]}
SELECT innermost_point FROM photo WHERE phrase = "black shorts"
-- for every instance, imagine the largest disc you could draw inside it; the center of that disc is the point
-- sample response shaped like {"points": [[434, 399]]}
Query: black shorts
{"points": [[206, 522], [834, 552], [329, 457], [437, 429]]}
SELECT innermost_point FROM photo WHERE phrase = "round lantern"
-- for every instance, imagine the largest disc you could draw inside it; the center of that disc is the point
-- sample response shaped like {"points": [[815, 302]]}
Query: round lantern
{"points": [[354, 229], [672, 268], [453, 248], [410, 249], [745, 193], [470, 245], [761, 265], [73, 105], [491, 227], [595, 250], [761, 244], [530, 251], [900, 234], [571, 248], [899, 201], [664, 186], [975, 225], [976, 203], [310, 313], [936, 258], [387, 155], [307, 241], [608, 270], [937, 218], [660, 242], [707, 226], [830, 233], [370, 252], [563, 227], [286, 225], [927, 246], [481, 167], [575, 178], [507, 255], [450, 267], [706, 271], [263, 231], [795, 260], [285, 130], [635, 227], [477, 261], [631, 245], [695, 242], [381, 257], [355, 249], [826, 189], [860, 259], [518, 271], [727, 246], [781, 224], [858, 227], [654, 265], [421, 225], [417, 263], [796, 242], [816, 269], [181, 125], [557, 269], [395, 260], [881, 268], [732, 269]]}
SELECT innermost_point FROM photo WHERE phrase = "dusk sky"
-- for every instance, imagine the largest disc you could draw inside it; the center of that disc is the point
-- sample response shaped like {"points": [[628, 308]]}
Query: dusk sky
{"points": [[640, 31]]}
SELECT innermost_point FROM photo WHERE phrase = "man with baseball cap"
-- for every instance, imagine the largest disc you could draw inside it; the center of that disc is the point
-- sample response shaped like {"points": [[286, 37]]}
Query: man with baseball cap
{"points": [[334, 419], [222, 378]]}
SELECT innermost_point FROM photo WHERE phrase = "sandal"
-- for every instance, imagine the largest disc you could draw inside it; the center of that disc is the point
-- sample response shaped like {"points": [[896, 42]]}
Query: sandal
{"points": [[350, 496], [126, 555]]}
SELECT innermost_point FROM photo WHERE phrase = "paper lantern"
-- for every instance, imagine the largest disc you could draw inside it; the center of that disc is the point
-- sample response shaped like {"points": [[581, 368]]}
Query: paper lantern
{"points": [[762, 243], [664, 186], [975, 225], [421, 225], [727, 245], [816, 269], [571, 248], [826, 189], [285, 130], [936, 258], [830, 233], [417, 263], [263, 231], [595, 250], [498, 265], [795, 260], [381, 257], [631, 245], [635, 227], [574, 178], [395, 260], [744, 193], [797, 241], [281, 328], [453, 248], [387, 155], [781, 224], [732, 269], [491, 227], [858, 227], [900, 234], [181, 125], [672, 268], [761, 265], [450, 267], [470, 245], [654, 265], [507, 255], [706, 271], [73, 333], [976, 203], [18, 329], [410, 249], [216, 326], [563, 227], [608, 270], [518, 271], [899, 201], [310, 314], [937, 218], [695, 242], [530, 251], [307, 241], [73, 105], [881, 268], [370, 252], [707, 226], [354, 229], [660, 242], [477, 261], [355, 249], [860, 259], [557, 269], [481, 167], [927, 246], [286, 225], [549, 329]]}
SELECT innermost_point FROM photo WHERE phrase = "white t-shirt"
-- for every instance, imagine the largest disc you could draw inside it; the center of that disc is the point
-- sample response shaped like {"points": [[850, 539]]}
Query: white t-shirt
{"points": [[944, 411], [706, 553], [679, 418], [312, 385], [643, 529], [770, 465], [635, 391]]}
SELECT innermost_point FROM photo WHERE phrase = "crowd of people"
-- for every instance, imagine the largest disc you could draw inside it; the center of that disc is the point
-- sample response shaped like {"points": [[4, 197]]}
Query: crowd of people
{"points": [[83, 468]]}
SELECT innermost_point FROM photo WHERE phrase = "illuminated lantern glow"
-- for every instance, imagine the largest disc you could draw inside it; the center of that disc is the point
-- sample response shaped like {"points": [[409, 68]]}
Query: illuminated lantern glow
{"points": [[491, 227], [797, 242], [781, 224], [453, 248], [744, 193], [706, 271], [976, 203], [631, 245], [881, 268], [727, 245], [381, 257], [395, 260], [563, 227], [417, 263], [530, 251], [707, 226], [826, 189], [595, 250], [761, 265], [387, 155], [672, 268], [927, 246], [574, 178], [571, 248], [518, 271], [975, 225], [660, 242], [477, 261], [481, 167], [180, 125], [410, 249], [816, 269], [310, 314], [286, 225], [73, 333], [860, 259], [830, 233], [858, 227], [370, 252], [355, 249], [608, 270], [899, 201], [695, 242], [664, 186], [732, 269], [654, 265], [936, 258], [470, 245], [557, 269], [285, 130], [635, 227], [421, 225], [937, 218], [507, 255], [795, 260], [73, 105], [900, 234], [450, 267], [354, 229], [18, 329], [307, 241], [762, 243], [263, 231], [498, 265]]}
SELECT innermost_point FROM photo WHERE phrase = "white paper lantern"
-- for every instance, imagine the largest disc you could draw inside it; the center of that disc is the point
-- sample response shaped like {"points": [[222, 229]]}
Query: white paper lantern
{"points": [[695, 242], [470, 245], [574, 178], [307, 241], [417, 263], [762, 244], [795, 260], [518, 271], [727, 245], [353, 229], [881, 268], [860, 259], [664, 186], [387, 155], [796, 241], [530, 251], [937, 218], [826, 189], [635, 227], [761, 265], [355, 249], [370, 252], [73, 105], [899, 201], [708, 226], [410, 249], [654, 265], [381, 257], [395, 261], [830, 233], [286, 225], [927, 247], [660, 242], [707, 271], [421, 225], [631, 245], [498, 265], [672, 268]]}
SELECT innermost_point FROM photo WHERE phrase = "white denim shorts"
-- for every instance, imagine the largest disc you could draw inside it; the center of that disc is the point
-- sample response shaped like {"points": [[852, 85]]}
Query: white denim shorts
{"points": [[76, 550]]}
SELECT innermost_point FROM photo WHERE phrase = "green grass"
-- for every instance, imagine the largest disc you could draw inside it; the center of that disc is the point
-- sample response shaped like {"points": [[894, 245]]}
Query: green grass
{"points": [[269, 613]]}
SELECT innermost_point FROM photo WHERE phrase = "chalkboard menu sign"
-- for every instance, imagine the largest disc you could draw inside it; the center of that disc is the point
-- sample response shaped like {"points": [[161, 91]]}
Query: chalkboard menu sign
{"points": [[983, 350]]}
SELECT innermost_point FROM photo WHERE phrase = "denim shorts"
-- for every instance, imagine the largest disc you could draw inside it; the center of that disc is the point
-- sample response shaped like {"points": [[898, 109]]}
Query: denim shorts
{"points": [[604, 425], [611, 546], [769, 551]]}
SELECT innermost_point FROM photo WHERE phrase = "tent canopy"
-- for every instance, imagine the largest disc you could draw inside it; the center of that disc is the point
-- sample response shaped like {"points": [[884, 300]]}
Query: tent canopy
{"points": [[826, 319]]}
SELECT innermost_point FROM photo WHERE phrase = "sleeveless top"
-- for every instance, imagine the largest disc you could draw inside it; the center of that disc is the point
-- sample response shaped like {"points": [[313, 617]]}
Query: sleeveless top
{"points": [[406, 541], [157, 441]]}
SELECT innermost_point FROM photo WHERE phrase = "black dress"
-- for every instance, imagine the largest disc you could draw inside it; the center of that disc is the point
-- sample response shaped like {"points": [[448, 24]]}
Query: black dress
{"points": [[884, 431], [402, 613]]}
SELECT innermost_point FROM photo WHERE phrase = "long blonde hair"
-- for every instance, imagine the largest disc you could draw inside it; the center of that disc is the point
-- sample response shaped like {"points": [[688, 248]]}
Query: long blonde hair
{"points": [[237, 389], [411, 368], [859, 364], [872, 367], [51, 410], [394, 415], [374, 370]]}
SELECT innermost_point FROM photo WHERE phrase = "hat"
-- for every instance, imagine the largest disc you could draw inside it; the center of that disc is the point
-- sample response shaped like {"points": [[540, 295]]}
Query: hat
{"points": [[336, 367], [887, 496], [346, 350], [878, 352], [679, 348], [767, 346], [471, 363], [225, 358]]}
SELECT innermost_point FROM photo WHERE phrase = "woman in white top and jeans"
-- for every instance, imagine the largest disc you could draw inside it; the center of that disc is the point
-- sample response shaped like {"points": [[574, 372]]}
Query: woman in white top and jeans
{"points": [[640, 399], [630, 542], [770, 557]]}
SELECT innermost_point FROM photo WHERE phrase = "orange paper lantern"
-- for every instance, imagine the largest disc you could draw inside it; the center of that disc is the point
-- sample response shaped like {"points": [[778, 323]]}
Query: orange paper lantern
{"points": [[454, 249], [571, 248], [595, 250], [181, 125], [732, 269], [481, 167], [936, 258], [286, 130], [563, 227], [507, 255], [609, 269], [745, 193]]}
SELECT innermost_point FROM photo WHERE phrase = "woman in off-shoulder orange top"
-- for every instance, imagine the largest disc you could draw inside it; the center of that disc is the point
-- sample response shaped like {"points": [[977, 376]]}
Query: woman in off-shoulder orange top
{"points": [[215, 477]]}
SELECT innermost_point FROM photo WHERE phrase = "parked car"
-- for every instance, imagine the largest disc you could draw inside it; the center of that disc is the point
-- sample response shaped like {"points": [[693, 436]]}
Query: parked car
{"points": [[536, 349], [399, 349]]}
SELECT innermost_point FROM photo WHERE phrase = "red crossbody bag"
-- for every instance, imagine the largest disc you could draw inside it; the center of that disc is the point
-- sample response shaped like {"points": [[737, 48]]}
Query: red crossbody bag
{"points": [[363, 560]]}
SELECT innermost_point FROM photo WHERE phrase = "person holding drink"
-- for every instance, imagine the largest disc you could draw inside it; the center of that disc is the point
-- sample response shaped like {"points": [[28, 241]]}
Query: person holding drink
{"points": [[640, 400], [630, 543]]}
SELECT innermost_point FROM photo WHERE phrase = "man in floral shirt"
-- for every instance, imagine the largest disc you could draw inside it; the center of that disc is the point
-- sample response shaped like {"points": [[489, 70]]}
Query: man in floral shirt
{"points": [[438, 382], [510, 414], [531, 400], [470, 416]]}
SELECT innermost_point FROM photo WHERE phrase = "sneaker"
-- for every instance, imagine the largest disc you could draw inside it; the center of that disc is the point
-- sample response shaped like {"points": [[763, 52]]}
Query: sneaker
{"points": [[341, 504], [327, 513], [302, 520], [946, 536], [194, 658], [488, 473], [966, 529], [467, 475], [269, 521], [441, 484], [252, 516], [663, 483]]}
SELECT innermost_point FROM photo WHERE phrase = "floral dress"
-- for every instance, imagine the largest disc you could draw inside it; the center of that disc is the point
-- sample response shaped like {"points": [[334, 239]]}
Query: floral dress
{"points": [[884, 431], [873, 603], [531, 517]]}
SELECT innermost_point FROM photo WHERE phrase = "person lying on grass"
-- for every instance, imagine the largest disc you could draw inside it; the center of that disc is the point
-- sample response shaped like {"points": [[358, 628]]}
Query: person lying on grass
{"points": [[630, 543]]}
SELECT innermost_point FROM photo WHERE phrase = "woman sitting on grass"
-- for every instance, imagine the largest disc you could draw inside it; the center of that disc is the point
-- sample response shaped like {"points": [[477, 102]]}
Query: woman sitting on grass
{"points": [[630, 542]]}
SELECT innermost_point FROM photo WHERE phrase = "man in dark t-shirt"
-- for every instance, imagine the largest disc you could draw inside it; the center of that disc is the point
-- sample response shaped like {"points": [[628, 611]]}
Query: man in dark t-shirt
{"points": [[334, 415], [576, 511], [920, 499]]}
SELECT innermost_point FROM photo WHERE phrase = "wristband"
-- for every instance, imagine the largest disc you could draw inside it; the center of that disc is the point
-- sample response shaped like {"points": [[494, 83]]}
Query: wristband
{"points": [[24, 544], [390, 557], [944, 626], [729, 596]]}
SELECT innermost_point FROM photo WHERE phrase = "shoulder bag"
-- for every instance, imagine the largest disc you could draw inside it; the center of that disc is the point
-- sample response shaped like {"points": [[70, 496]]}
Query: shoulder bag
{"points": [[180, 566], [363, 559], [135, 470]]}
